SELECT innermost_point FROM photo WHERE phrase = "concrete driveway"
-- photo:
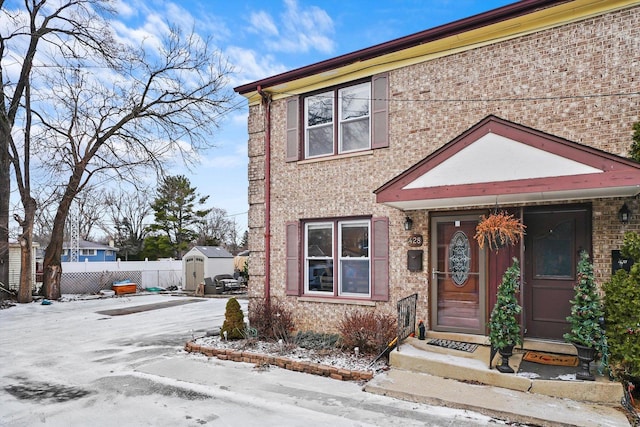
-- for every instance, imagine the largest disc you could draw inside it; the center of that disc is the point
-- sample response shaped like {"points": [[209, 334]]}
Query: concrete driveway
{"points": [[119, 362]]}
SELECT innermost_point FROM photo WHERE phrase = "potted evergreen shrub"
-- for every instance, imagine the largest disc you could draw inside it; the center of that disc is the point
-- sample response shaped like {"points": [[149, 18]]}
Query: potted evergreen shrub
{"points": [[504, 328], [621, 308], [586, 311], [499, 229]]}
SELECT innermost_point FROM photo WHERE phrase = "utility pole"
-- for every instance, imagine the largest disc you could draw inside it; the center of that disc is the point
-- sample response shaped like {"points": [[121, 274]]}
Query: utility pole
{"points": [[75, 237]]}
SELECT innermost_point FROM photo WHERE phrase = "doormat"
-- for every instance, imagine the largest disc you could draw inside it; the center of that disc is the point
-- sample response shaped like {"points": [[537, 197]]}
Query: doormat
{"points": [[550, 358], [454, 345]]}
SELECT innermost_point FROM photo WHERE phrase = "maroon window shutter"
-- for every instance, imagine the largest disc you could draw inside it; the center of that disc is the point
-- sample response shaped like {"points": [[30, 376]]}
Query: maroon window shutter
{"points": [[380, 270], [292, 130], [380, 111], [293, 268]]}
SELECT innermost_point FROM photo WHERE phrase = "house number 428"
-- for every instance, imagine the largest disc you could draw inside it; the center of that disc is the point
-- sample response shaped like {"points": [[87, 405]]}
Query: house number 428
{"points": [[415, 240]]}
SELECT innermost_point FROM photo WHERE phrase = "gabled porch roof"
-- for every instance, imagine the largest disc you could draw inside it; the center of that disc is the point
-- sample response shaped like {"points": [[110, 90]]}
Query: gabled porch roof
{"points": [[497, 162]]}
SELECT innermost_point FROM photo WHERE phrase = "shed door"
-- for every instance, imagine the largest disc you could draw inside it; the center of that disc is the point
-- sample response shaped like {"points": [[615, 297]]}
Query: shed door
{"points": [[198, 270], [189, 274]]}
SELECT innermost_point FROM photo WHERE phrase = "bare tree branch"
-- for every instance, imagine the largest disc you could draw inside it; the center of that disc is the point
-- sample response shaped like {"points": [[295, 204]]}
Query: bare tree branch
{"points": [[101, 108]]}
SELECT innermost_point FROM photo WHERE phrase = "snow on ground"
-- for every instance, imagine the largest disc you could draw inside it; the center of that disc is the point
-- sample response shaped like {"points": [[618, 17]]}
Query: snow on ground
{"points": [[68, 364], [338, 358]]}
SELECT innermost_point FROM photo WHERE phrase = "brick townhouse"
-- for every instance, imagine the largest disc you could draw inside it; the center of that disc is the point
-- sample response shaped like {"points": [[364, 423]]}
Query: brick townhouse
{"points": [[370, 170]]}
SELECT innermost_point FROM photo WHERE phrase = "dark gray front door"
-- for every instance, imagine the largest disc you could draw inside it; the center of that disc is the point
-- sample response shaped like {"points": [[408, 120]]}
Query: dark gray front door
{"points": [[555, 237]]}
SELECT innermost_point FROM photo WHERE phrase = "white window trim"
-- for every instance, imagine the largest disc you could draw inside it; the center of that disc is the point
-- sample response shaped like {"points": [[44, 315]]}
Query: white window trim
{"points": [[366, 223], [336, 257], [337, 111], [307, 127], [307, 226], [341, 121]]}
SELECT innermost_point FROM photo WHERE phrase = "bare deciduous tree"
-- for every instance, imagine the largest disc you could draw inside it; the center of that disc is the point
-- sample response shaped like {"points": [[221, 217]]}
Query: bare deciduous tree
{"points": [[101, 108], [39, 26], [216, 229], [126, 214], [90, 209]]}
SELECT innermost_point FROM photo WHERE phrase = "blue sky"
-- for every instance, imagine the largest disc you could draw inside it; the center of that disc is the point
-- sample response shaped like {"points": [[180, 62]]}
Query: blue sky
{"points": [[263, 38]]}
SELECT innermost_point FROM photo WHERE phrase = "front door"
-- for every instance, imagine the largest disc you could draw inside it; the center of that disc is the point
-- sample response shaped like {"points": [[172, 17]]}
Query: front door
{"points": [[553, 241], [457, 276]]}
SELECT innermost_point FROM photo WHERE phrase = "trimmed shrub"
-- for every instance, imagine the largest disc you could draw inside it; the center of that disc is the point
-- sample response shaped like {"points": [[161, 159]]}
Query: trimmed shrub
{"points": [[316, 341], [272, 320], [369, 331], [233, 323]]}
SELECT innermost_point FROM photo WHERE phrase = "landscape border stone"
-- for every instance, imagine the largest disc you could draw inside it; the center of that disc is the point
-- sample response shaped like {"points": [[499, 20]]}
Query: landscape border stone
{"points": [[281, 362]]}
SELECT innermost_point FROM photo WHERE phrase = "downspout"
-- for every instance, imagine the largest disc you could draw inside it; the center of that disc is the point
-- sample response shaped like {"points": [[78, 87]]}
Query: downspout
{"points": [[266, 102], [523, 314]]}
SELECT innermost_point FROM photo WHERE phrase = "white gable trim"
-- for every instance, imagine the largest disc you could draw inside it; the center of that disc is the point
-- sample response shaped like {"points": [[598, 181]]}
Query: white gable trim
{"points": [[496, 158], [497, 162]]}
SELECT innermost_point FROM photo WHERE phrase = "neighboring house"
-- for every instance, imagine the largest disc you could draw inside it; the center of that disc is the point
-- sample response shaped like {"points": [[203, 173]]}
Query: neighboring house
{"points": [[89, 251], [205, 261], [527, 108], [15, 264]]}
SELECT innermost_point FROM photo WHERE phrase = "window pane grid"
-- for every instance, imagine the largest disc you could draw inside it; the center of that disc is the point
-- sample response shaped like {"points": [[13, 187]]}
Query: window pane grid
{"points": [[343, 113], [354, 258], [319, 111], [319, 258], [354, 118], [343, 265]]}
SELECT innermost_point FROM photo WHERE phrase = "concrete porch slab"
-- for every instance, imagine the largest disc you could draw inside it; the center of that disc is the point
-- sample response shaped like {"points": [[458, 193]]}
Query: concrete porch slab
{"points": [[418, 356]]}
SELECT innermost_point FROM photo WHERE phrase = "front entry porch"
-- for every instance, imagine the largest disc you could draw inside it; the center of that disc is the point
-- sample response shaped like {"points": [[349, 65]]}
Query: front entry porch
{"points": [[460, 379], [464, 278]]}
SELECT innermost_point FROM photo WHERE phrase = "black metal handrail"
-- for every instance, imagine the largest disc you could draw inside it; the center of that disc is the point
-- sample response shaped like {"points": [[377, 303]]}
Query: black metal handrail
{"points": [[406, 317]]}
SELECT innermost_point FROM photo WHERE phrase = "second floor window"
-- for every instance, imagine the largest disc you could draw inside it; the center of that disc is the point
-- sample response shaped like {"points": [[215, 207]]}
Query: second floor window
{"points": [[338, 121]]}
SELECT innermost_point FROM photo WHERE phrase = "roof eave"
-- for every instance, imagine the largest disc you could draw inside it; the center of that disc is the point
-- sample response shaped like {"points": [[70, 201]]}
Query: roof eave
{"points": [[507, 12]]}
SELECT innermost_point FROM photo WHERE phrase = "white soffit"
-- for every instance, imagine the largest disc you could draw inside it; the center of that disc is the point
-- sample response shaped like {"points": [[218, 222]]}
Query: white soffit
{"points": [[494, 158], [506, 199]]}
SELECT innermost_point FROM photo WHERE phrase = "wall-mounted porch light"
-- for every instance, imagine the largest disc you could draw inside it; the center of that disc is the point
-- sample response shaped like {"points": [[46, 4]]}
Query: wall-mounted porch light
{"points": [[408, 223], [624, 214]]}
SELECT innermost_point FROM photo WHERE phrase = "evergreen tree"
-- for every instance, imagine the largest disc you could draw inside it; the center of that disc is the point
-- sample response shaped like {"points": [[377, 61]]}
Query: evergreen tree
{"points": [[586, 309], [244, 244], [176, 216], [157, 247], [233, 321], [504, 329], [635, 144]]}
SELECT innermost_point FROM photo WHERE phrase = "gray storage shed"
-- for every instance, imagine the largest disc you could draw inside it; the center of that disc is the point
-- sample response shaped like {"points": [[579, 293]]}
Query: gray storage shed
{"points": [[205, 261]]}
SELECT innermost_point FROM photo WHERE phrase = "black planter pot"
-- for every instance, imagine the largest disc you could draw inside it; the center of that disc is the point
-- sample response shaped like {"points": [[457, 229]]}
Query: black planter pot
{"points": [[586, 355], [505, 353]]}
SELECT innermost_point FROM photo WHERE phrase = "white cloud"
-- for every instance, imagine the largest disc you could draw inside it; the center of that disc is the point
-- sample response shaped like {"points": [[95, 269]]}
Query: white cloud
{"points": [[125, 8], [225, 162], [250, 66], [262, 23], [299, 30], [239, 119]]}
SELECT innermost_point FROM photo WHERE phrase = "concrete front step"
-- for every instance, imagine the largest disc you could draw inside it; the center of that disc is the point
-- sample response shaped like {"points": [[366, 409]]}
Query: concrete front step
{"points": [[502, 403], [417, 356]]}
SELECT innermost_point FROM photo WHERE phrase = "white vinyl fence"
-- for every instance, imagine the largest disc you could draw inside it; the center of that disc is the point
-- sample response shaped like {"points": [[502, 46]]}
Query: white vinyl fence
{"points": [[92, 277]]}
